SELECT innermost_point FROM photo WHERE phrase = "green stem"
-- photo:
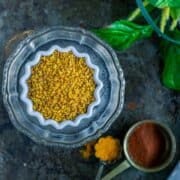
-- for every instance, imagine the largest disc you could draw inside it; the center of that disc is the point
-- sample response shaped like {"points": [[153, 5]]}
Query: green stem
{"points": [[137, 11], [164, 17], [173, 24]]}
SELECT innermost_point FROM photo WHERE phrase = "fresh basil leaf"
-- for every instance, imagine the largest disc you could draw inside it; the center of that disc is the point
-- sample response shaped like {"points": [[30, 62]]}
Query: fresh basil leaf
{"points": [[122, 34], [171, 75], [165, 3], [175, 13], [171, 54]]}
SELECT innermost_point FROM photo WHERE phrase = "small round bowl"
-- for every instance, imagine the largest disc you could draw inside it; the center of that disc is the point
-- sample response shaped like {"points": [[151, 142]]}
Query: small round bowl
{"points": [[169, 151], [109, 97], [29, 104]]}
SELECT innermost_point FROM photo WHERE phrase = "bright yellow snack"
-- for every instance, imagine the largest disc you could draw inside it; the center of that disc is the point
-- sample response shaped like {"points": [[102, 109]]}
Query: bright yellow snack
{"points": [[108, 149], [61, 86]]}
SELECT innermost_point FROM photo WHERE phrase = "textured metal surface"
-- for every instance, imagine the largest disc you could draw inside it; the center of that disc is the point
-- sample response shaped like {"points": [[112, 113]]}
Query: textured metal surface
{"points": [[146, 97]]}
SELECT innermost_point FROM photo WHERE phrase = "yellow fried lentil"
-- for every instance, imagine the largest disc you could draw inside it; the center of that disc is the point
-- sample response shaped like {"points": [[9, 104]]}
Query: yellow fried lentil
{"points": [[61, 86]]}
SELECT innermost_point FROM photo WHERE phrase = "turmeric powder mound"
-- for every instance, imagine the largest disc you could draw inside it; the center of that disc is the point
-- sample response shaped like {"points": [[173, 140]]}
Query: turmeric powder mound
{"points": [[108, 149], [61, 86], [88, 151]]}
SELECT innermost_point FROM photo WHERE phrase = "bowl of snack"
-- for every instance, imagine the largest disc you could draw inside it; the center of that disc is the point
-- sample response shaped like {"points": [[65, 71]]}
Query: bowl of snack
{"points": [[60, 87], [63, 86]]}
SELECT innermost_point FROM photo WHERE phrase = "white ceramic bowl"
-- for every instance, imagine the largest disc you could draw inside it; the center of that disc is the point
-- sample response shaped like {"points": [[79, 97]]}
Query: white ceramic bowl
{"points": [[29, 103]]}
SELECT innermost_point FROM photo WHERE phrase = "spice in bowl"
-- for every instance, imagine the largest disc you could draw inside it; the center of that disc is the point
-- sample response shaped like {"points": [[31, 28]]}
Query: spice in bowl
{"points": [[61, 86], [147, 145]]}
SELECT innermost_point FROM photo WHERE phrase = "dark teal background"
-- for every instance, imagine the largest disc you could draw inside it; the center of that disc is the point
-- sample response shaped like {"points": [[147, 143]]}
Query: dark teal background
{"points": [[145, 97]]}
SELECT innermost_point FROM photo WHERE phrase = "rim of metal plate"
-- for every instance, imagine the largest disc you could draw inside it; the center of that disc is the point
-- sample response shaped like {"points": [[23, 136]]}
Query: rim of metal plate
{"points": [[98, 132]]}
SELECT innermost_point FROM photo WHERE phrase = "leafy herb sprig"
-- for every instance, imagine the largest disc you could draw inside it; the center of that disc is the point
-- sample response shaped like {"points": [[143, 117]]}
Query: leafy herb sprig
{"points": [[123, 33]]}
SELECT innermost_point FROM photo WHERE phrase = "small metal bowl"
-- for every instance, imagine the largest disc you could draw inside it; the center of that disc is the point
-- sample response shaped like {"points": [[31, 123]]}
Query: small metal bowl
{"points": [[110, 74], [169, 151]]}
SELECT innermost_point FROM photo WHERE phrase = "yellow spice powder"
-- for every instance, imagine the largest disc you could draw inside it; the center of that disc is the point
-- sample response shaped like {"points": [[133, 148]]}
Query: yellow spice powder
{"points": [[61, 86], [88, 150], [108, 148]]}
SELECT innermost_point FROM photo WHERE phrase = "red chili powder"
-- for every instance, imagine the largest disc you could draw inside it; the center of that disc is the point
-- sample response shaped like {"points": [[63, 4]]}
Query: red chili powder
{"points": [[146, 145]]}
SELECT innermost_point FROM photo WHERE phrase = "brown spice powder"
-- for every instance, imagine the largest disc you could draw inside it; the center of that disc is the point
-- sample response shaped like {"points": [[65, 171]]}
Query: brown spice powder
{"points": [[146, 145]]}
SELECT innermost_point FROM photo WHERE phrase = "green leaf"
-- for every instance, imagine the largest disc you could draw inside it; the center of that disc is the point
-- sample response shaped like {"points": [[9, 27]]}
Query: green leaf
{"points": [[122, 34], [165, 3], [175, 13], [171, 54]]}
